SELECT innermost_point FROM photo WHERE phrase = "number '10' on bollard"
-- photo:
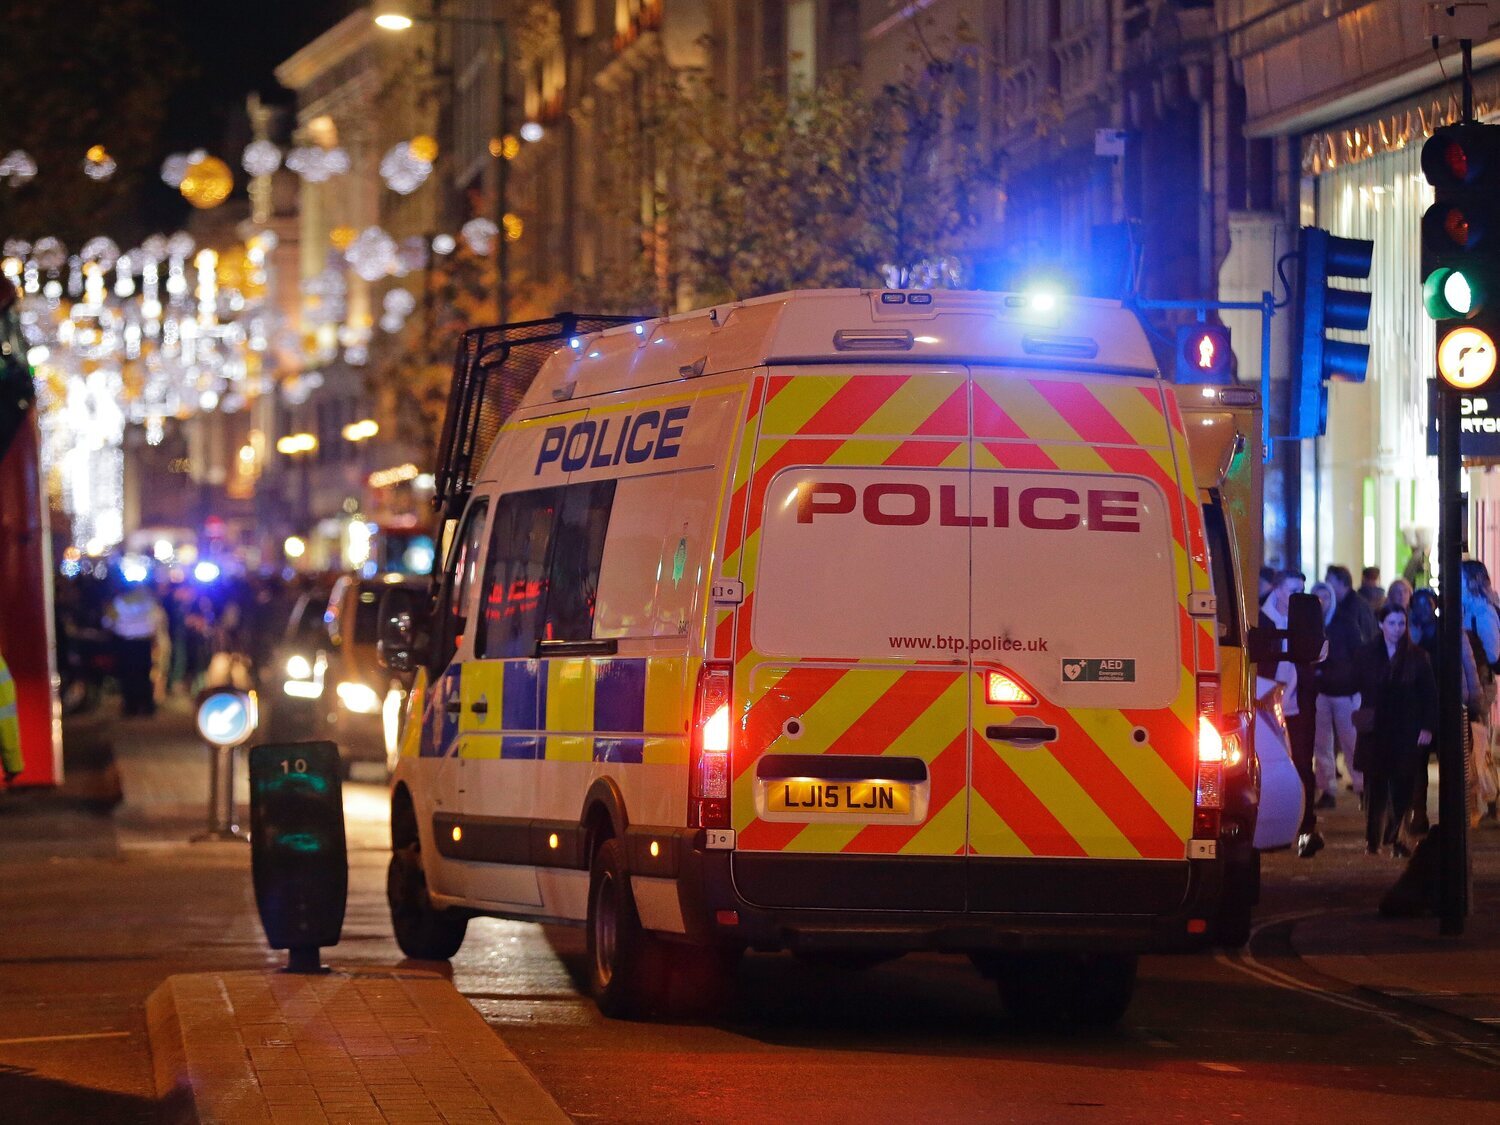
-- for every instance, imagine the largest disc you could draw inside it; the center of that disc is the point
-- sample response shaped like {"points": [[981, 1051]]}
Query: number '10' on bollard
{"points": [[298, 856]]}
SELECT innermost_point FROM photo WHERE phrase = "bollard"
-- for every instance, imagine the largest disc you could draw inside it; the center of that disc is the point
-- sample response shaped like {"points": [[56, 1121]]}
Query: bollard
{"points": [[227, 718], [299, 860]]}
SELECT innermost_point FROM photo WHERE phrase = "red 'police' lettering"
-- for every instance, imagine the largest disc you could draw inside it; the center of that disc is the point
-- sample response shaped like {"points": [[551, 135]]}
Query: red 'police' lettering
{"points": [[1039, 507]]}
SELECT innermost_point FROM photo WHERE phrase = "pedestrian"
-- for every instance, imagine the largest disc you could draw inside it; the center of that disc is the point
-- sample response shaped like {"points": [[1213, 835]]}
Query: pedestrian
{"points": [[1422, 624], [1397, 722], [1267, 584], [1482, 627], [199, 629], [10, 726], [134, 617], [1298, 702], [1349, 627], [1399, 595], [1370, 589]]}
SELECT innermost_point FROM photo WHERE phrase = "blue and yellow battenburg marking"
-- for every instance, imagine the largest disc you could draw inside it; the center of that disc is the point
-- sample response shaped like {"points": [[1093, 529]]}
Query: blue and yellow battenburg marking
{"points": [[566, 709]]}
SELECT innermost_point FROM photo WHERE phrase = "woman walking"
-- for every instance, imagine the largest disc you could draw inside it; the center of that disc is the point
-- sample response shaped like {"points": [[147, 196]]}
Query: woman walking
{"points": [[1398, 718]]}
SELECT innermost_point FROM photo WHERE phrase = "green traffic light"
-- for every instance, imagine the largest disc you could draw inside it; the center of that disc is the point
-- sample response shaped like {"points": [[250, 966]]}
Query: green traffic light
{"points": [[1450, 294]]}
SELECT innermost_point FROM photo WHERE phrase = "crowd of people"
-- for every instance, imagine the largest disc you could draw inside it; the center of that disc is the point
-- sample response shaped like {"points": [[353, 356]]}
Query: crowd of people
{"points": [[1367, 712], [157, 636]]}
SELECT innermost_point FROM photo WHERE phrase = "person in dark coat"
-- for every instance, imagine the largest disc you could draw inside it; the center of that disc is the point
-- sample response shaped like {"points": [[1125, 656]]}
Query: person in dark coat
{"points": [[1351, 626], [1398, 700]]}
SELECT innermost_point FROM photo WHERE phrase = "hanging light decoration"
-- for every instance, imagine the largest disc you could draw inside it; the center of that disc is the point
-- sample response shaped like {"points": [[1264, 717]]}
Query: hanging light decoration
{"points": [[443, 245], [342, 236], [479, 235], [174, 168], [260, 158], [101, 250], [402, 170], [316, 164], [207, 182], [17, 167], [412, 255], [372, 254], [98, 164], [49, 254]]}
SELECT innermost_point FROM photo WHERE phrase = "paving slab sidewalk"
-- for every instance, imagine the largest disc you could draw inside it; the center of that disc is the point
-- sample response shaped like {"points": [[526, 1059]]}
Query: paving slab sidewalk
{"points": [[1406, 958], [269, 1048]]}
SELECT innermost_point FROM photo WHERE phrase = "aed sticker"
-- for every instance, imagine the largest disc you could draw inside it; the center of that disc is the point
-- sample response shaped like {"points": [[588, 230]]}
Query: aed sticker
{"points": [[679, 561], [1099, 671]]}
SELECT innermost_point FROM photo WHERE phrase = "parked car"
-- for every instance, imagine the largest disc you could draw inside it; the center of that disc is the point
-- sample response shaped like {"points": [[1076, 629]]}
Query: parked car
{"points": [[295, 678], [364, 701]]}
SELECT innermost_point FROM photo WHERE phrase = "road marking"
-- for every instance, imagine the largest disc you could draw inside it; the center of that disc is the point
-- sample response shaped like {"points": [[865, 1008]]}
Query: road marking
{"points": [[65, 1038], [1226, 1068], [1246, 962]]}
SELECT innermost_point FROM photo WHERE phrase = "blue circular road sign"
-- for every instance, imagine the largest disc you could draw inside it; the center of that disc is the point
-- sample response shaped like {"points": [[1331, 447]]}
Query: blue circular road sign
{"points": [[226, 717]]}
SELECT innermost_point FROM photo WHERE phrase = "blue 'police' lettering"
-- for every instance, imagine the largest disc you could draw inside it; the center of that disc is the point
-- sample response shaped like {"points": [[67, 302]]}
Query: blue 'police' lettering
{"points": [[649, 436], [580, 442], [635, 454]]}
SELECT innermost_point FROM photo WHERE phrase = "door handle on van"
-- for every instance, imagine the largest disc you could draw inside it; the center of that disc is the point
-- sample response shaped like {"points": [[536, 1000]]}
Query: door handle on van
{"points": [[1024, 734], [480, 706], [607, 647]]}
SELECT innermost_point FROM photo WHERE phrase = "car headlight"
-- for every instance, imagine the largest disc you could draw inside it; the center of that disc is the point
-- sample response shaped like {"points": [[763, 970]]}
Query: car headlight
{"points": [[298, 668], [359, 698]]}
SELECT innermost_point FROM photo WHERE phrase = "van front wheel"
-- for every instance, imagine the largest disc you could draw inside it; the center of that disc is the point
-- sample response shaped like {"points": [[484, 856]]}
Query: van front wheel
{"points": [[627, 970], [422, 930]]}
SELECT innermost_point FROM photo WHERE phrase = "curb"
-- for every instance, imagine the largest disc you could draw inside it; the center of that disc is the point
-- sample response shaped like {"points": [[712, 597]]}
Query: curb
{"points": [[270, 1048]]}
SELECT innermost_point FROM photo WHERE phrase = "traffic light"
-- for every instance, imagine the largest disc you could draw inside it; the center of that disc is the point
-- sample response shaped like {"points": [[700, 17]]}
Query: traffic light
{"points": [[1461, 251], [1203, 354], [1320, 307]]}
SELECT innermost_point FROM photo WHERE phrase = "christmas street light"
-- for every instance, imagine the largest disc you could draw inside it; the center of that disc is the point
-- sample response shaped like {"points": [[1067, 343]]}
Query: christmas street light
{"points": [[398, 16]]}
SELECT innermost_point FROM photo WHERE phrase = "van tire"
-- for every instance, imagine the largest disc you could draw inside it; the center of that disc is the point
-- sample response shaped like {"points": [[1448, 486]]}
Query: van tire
{"points": [[423, 932], [627, 965], [1230, 927], [1065, 990]]}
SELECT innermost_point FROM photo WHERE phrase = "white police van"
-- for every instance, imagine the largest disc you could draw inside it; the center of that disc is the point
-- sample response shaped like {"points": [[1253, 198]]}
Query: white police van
{"points": [[848, 623]]}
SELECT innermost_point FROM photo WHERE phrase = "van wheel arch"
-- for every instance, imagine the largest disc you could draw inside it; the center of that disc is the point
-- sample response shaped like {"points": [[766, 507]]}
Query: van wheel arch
{"points": [[603, 815], [404, 830]]}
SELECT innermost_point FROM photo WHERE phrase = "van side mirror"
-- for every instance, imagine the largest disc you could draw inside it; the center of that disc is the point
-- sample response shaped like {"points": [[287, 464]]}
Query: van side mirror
{"points": [[1301, 641], [396, 641], [1304, 629]]}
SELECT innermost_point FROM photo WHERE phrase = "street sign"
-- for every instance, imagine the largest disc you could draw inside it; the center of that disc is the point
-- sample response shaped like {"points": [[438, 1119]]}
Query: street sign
{"points": [[1479, 423], [298, 856], [1466, 358], [226, 716]]}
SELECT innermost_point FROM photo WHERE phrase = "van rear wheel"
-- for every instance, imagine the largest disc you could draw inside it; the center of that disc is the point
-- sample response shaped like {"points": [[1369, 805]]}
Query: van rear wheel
{"points": [[422, 930], [627, 966], [1062, 990]]}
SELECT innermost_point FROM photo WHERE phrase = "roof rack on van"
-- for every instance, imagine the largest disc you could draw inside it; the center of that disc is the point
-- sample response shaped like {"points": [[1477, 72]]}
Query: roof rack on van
{"points": [[492, 371]]}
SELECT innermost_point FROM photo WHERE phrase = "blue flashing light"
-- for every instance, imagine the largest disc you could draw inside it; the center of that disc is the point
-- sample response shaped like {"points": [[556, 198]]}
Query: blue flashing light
{"points": [[1043, 300], [206, 572], [575, 343], [134, 569], [640, 329]]}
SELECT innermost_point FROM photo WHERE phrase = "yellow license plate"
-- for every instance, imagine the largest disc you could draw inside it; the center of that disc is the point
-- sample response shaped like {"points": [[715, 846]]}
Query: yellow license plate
{"points": [[873, 798]]}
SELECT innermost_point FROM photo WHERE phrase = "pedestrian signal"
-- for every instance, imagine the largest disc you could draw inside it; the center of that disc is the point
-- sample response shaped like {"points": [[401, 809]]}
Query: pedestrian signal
{"points": [[1203, 354], [1318, 308], [1461, 251]]}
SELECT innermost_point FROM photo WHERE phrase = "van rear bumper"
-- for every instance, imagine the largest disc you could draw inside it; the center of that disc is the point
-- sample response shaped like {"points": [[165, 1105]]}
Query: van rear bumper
{"points": [[947, 904]]}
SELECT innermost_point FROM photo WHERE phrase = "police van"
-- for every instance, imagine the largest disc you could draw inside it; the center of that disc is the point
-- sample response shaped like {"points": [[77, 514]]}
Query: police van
{"points": [[848, 623]]}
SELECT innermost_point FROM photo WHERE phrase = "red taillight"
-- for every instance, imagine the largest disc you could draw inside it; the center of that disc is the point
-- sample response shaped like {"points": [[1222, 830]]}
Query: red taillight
{"points": [[1208, 792], [712, 743]]}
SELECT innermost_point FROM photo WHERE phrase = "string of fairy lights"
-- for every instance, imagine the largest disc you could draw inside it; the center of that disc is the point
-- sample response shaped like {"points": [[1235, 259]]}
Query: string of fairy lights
{"points": [[136, 336]]}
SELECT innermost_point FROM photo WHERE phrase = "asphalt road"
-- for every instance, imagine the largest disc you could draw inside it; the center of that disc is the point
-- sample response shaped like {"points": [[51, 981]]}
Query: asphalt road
{"points": [[94, 912]]}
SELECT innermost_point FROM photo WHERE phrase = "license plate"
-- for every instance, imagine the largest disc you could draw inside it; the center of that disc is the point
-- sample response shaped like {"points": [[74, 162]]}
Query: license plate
{"points": [[872, 798]]}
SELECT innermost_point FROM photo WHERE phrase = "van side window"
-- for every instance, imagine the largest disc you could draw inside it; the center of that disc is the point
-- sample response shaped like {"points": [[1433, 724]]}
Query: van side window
{"points": [[458, 583], [1221, 569], [515, 586], [573, 583], [542, 582]]}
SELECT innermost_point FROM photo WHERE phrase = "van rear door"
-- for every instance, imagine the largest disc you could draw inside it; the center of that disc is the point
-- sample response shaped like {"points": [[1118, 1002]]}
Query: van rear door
{"points": [[850, 645], [1085, 701]]}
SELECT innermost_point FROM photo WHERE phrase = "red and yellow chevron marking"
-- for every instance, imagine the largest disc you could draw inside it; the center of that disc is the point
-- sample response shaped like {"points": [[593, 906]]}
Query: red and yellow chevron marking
{"points": [[867, 710], [1096, 792]]}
